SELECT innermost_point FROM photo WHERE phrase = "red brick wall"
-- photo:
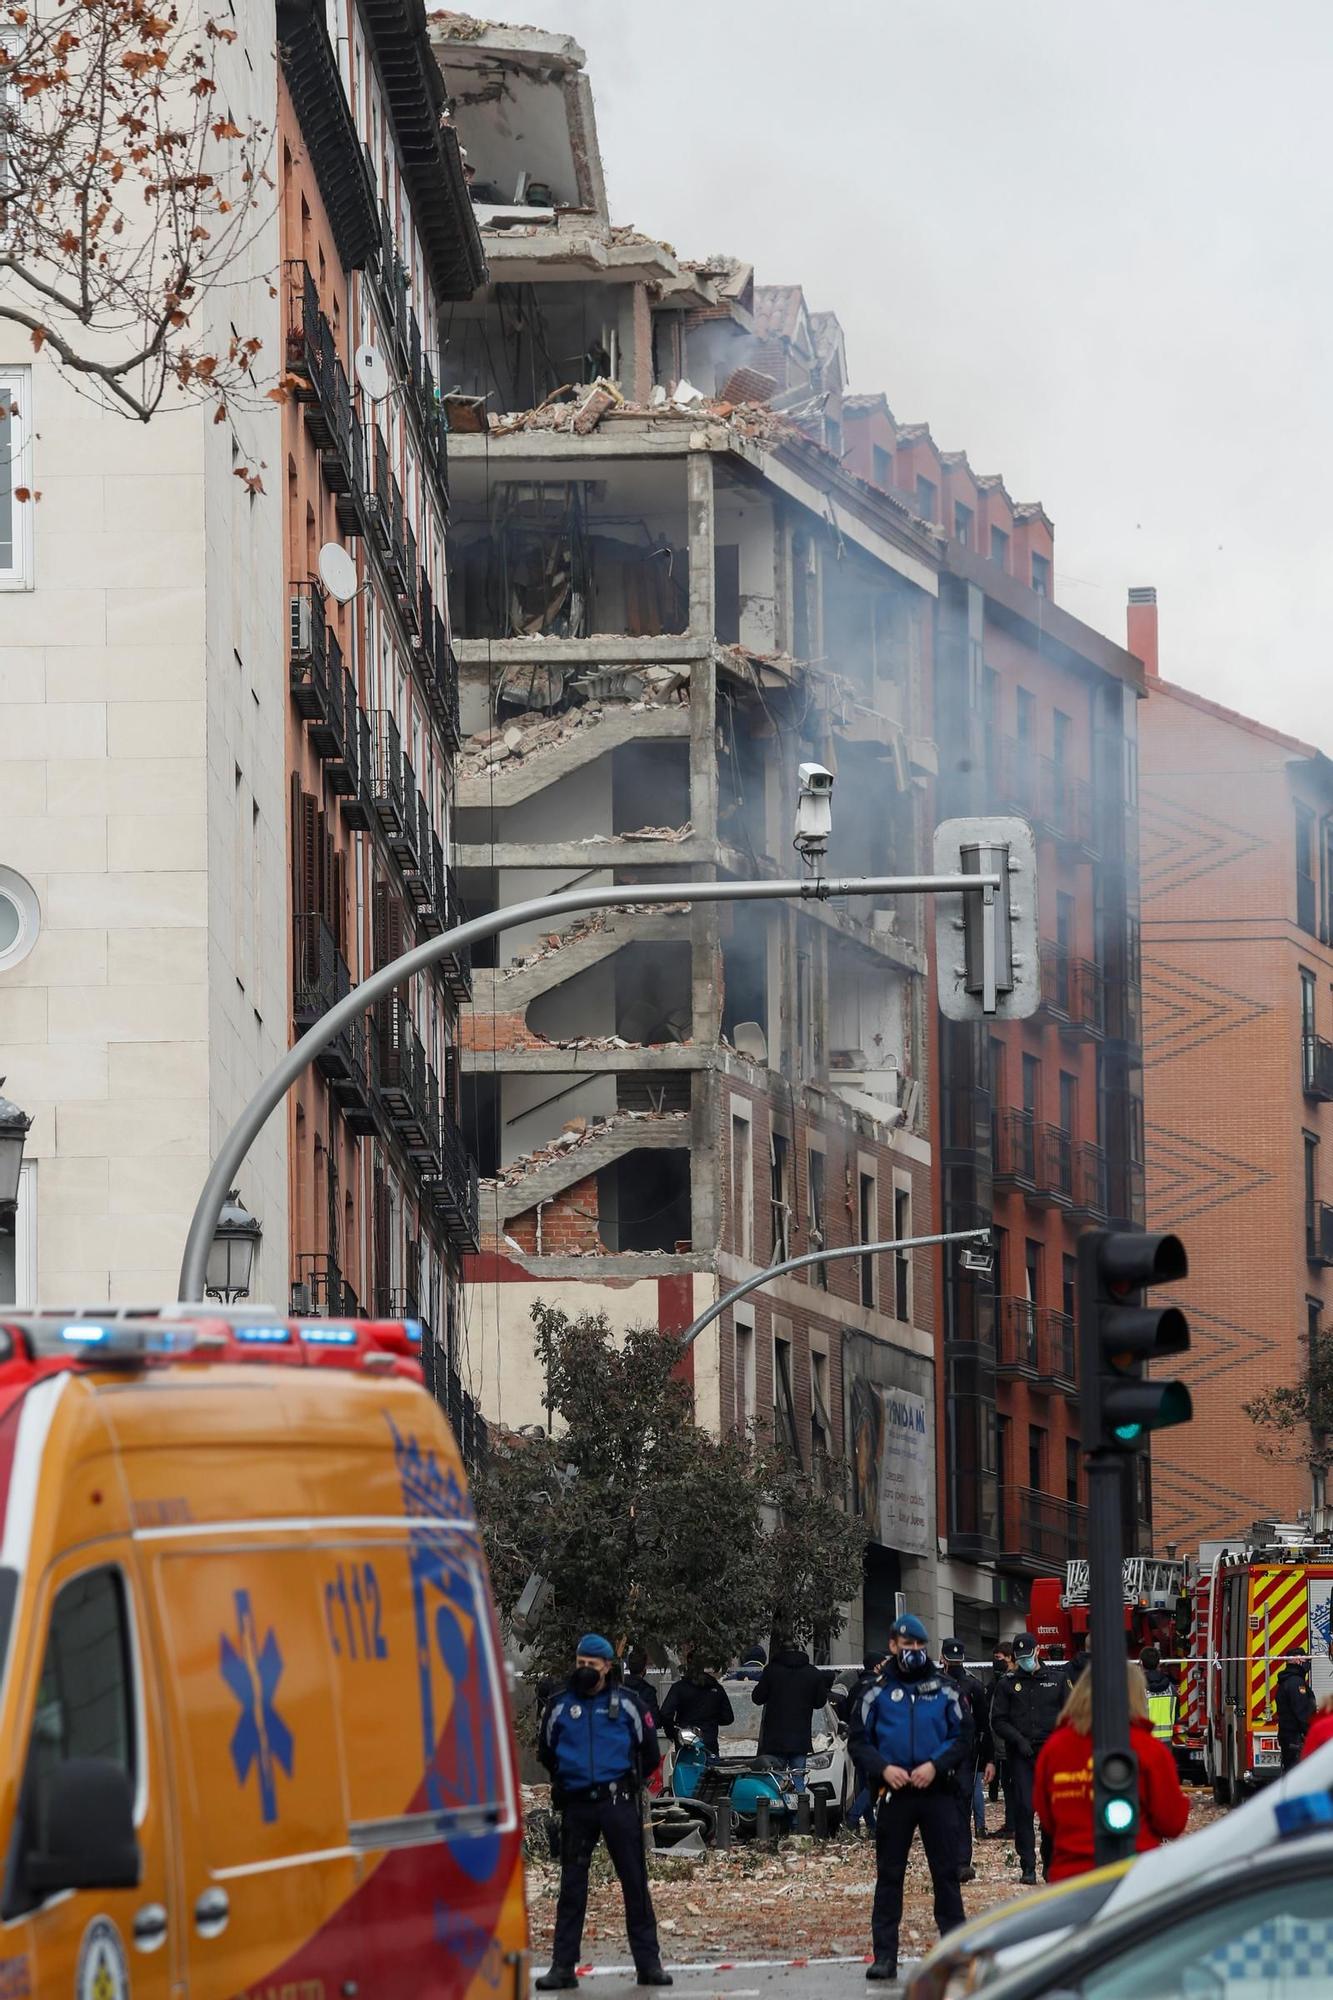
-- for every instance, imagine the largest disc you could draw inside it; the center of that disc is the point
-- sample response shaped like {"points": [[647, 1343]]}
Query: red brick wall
{"points": [[569, 1222], [1222, 956]]}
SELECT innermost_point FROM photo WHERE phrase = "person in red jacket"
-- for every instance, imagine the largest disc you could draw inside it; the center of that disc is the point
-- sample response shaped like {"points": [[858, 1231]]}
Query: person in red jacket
{"points": [[1320, 1731], [1062, 1787]]}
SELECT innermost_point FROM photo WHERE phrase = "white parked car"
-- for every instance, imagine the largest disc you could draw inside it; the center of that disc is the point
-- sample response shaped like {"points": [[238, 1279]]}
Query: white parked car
{"points": [[828, 1769]]}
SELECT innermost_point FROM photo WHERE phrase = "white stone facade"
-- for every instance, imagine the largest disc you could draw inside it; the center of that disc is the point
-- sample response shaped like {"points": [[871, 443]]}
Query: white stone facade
{"points": [[142, 795]]}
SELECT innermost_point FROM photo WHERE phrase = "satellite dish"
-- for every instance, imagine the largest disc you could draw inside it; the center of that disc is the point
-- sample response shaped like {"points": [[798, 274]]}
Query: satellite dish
{"points": [[372, 372], [749, 1039], [337, 572]]}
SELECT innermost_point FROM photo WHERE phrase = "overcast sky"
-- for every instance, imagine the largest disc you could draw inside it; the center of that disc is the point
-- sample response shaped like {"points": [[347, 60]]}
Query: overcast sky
{"points": [[1090, 245]]}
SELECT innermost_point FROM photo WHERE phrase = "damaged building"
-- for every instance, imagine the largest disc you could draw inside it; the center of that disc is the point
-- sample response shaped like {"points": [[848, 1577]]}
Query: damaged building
{"points": [[666, 592]]}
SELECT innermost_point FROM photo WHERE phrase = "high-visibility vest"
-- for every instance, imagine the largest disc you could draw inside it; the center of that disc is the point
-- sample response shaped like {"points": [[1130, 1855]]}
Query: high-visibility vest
{"points": [[1162, 1716]]}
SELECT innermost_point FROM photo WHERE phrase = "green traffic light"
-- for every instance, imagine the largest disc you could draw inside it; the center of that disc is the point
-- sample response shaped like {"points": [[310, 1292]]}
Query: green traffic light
{"points": [[1128, 1433], [1119, 1815]]}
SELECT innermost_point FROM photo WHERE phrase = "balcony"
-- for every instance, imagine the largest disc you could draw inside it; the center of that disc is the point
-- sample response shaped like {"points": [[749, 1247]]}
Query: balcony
{"points": [[1073, 992], [465, 1418], [323, 389], [1317, 1067], [326, 699], [1319, 1232], [387, 788], [1035, 1344], [1066, 809], [1038, 1532], [1055, 1167], [319, 1290], [454, 1193], [1015, 1147], [1091, 1187], [439, 672], [380, 500], [1014, 775], [320, 979], [967, 1121], [408, 1087], [440, 911]]}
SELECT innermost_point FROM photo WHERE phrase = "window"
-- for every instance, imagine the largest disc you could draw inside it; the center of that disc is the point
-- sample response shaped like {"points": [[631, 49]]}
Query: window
{"points": [[780, 1176], [1064, 920], [927, 495], [818, 1273], [999, 1238], [1308, 1051], [1036, 1458], [16, 515], [902, 1259], [867, 1232], [1027, 717], [999, 548], [1041, 574], [1305, 882], [18, 1244], [1310, 1141], [742, 1187], [744, 1368], [1003, 1441], [881, 462], [1068, 1103], [1062, 732], [85, 1702], [1071, 1471], [1270, 1940], [962, 524], [20, 918], [1069, 1287], [784, 1396], [1031, 1084], [821, 1423]]}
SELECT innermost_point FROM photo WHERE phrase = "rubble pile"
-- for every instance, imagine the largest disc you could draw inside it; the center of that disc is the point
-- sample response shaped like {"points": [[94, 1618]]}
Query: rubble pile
{"points": [[805, 1898], [632, 691], [672, 834], [576, 1132], [581, 409], [595, 922]]}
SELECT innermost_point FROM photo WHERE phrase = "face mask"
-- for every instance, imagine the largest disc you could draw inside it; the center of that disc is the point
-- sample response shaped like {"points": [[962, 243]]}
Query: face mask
{"points": [[914, 1658], [587, 1680], [1000, 1666], [1027, 1663]]}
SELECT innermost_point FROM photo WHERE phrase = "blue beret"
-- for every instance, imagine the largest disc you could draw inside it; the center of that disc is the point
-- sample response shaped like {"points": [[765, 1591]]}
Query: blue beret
{"points": [[592, 1646]]}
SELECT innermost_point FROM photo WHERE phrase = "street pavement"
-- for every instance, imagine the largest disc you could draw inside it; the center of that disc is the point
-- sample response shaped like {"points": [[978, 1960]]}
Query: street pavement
{"points": [[749, 1979]]}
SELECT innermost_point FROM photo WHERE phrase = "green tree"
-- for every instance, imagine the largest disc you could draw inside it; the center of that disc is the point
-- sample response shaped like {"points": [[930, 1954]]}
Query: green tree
{"points": [[648, 1528], [1298, 1416]]}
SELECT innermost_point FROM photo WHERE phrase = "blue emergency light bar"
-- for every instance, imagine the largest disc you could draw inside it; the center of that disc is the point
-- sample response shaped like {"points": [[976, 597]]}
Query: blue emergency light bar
{"points": [[123, 1342], [263, 1336], [328, 1336], [1307, 1812]]}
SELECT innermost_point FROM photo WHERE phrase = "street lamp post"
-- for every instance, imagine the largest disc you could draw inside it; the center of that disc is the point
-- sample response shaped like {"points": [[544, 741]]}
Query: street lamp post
{"points": [[231, 1256], [539, 909], [14, 1126], [747, 1285]]}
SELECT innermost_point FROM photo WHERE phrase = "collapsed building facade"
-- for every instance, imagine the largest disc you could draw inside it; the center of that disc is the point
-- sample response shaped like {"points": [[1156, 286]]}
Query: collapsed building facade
{"points": [[666, 593], [684, 560]]}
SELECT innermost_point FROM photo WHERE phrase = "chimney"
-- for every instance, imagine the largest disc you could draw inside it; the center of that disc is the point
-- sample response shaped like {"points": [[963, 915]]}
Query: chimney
{"points": [[1141, 622]]}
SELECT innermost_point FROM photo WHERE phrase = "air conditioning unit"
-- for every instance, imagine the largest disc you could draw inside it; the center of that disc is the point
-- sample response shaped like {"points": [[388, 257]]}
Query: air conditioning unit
{"points": [[303, 627], [302, 1306]]}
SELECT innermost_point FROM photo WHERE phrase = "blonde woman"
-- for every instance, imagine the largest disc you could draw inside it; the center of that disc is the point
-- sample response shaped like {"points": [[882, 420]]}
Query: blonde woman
{"points": [[1062, 1790]]}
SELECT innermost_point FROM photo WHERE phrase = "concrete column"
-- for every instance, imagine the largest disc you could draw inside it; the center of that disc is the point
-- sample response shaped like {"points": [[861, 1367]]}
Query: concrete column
{"points": [[706, 983]]}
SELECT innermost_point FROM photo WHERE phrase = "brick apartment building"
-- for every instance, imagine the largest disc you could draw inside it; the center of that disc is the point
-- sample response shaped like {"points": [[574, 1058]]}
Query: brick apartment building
{"points": [[1237, 838], [667, 592], [1037, 1124], [378, 236]]}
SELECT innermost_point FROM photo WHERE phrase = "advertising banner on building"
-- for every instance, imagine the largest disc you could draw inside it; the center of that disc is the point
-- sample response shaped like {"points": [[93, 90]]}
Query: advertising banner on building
{"points": [[891, 1454]]}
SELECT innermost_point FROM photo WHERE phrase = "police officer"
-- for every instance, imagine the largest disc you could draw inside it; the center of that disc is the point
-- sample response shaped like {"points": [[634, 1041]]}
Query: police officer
{"points": [[599, 1745], [1161, 1694], [1295, 1704], [908, 1739], [1025, 1709], [979, 1767]]}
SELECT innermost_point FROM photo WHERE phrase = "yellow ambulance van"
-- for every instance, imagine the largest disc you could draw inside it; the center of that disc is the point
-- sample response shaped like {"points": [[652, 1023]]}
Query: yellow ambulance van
{"points": [[254, 1729]]}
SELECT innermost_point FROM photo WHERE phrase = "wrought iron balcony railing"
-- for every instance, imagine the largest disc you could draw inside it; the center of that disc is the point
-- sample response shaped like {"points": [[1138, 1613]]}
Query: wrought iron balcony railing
{"points": [[1037, 1344], [1317, 1067], [1040, 1532]]}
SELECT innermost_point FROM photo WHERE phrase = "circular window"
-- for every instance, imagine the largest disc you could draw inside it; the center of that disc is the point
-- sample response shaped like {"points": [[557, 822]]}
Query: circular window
{"points": [[20, 918]]}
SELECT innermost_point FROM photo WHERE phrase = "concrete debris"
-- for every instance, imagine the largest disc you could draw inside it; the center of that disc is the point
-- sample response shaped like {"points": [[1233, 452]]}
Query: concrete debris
{"points": [[671, 834], [578, 410], [532, 730], [597, 920], [570, 1140]]}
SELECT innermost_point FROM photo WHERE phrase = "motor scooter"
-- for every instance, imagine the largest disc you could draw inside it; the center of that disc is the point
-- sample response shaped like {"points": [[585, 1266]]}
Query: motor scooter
{"points": [[700, 1783]]}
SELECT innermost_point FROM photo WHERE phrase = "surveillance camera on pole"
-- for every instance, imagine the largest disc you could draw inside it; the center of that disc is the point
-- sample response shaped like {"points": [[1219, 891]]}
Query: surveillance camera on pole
{"points": [[814, 811], [986, 939]]}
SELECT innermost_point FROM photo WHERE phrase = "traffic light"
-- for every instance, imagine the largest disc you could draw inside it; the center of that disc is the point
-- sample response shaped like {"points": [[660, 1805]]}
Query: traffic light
{"points": [[1116, 1795], [1119, 1335], [986, 941]]}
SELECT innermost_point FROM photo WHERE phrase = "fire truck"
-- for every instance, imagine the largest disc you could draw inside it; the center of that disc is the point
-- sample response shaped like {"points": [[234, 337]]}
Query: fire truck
{"points": [[1153, 1593], [1253, 1600]]}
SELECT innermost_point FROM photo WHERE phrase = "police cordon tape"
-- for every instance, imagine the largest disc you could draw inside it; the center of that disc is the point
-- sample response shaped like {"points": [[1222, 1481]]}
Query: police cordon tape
{"points": [[733, 1965]]}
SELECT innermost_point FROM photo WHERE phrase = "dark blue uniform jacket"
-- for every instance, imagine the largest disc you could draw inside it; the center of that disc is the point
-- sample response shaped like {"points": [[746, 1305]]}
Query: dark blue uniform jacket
{"points": [[598, 1739], [909, 1722]]}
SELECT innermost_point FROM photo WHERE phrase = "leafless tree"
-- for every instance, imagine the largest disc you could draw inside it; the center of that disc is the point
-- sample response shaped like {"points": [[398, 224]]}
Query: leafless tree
{"points": [[128, 194]]}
